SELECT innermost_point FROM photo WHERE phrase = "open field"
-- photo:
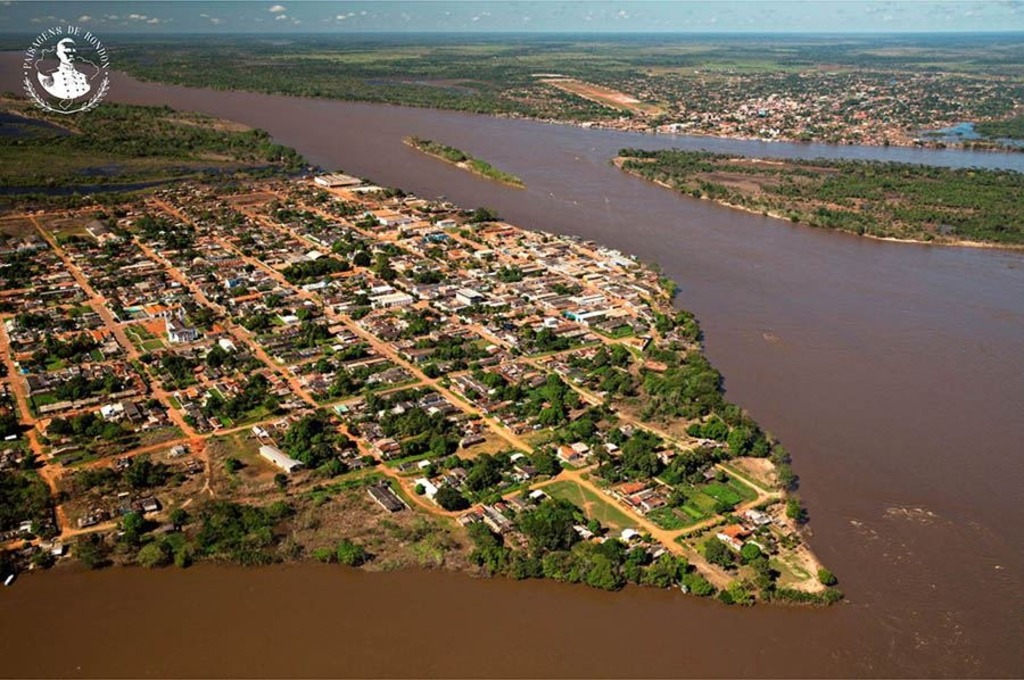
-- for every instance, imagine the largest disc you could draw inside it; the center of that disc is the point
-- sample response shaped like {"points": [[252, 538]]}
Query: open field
{"points": [[592, 504], [603, 95]]}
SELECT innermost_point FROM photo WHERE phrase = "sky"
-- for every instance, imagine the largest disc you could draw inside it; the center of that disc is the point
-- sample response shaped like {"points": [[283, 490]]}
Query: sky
{"points": [[485, 16]]}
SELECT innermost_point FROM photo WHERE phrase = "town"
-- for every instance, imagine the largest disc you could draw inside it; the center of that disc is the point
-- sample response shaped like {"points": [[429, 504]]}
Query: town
{"points": [[186, 376]]}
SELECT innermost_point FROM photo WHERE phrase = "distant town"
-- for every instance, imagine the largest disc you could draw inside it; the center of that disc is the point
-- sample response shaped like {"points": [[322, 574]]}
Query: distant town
{"points": [[329, 369]]}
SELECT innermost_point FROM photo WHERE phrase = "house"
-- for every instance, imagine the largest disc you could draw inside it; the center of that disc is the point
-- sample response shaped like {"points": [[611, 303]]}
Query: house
{"points": [[429, 490], [733, 536], [385, 497], [337, 179], [757, 518], [390, 300], [177, 331], [280, 459], [468, 296]]}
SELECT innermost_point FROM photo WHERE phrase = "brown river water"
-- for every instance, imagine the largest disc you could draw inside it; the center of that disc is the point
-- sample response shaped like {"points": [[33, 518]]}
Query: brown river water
{"points": [[894, 373]]}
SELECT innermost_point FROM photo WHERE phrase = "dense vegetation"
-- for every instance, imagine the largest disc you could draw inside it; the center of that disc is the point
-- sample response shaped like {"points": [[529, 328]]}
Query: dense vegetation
{"points": [[556, 551], [894, 200], [1012, 128], [23, 497], [117, 144], [462, 159]]}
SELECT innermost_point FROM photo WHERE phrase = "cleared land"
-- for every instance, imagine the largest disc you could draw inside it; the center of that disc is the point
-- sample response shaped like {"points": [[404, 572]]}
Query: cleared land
{"points": [[604, 95]]}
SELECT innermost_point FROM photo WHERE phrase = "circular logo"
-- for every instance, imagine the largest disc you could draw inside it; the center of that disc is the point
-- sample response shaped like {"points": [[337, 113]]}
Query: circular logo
{"points": [[66, 70]]}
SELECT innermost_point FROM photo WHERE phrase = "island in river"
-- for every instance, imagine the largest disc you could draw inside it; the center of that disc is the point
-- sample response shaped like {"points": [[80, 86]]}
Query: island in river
{"points": [[461, 159], [969, 206], [329, 370]]}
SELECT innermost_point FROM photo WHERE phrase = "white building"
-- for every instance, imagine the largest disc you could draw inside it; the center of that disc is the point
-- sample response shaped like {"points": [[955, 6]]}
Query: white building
{"points": [[392, 300], [468, 296], [280, 459], [177, 331]]}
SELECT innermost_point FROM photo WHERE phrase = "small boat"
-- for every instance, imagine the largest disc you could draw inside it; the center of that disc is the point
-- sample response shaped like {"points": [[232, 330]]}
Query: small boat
{"points": [[9, 580]]}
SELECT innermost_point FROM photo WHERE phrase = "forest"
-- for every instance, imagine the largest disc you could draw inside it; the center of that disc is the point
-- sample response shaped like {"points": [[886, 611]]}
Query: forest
{"points": [[881, 199], [119, 144], [463, 160]]}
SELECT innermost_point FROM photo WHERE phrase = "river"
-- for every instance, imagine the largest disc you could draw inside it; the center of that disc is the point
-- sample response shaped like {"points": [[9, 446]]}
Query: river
{"points": [[894, 373]]}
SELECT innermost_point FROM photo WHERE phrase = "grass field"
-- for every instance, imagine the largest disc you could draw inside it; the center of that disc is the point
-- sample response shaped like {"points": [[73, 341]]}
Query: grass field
{"points": [[591, 503]]}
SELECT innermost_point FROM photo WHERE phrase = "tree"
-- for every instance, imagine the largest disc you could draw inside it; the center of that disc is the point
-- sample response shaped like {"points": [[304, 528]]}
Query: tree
{"points": [[179, 518], [794, 510], [716, 552], [92, 551], [350, 553], [361, 259], [485, 473], [698, 585], [450, 499], [281, 480], [664, 571], [154, 554], [826, 577], [750, 552], [549, 526], [233, 465], [133, 524]]}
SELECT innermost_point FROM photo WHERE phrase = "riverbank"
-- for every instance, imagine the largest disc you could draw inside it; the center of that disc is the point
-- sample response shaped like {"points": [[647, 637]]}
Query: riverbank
{"points": [[885, 201], [463, 161]]}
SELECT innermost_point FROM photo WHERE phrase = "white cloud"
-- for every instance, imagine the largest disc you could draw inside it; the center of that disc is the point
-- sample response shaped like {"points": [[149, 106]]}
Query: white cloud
{"points": [[215, 21], [137, 17], [112, 17], [277, 9], [281, 17], [85, 18], [154, 20]]}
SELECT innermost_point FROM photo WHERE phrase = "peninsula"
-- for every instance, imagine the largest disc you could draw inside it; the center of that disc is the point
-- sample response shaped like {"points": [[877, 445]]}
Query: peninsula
{"points": [[325, 369], [900, 201], [461, 159]]}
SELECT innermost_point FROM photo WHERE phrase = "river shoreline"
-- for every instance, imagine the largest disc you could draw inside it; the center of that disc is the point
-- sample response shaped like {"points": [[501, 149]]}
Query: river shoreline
{"points": [[945, 242], [868, 341], [464, 165]]}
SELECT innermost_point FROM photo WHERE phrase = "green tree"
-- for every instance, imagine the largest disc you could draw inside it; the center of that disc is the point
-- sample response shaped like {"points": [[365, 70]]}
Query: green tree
{"points": [[179, 518], [350, 553], [133, 525], [92, 551], [549, 526], [716, 552], [750, 552], [450, 499], [826, 577], [154, 554]]}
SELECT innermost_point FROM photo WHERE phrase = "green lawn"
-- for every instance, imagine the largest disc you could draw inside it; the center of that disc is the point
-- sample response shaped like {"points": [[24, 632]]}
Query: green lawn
{"points": [[669, 518], [592, 504]]}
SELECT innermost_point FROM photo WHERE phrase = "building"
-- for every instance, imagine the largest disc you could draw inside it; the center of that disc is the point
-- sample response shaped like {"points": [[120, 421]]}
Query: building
{"points": [[387, 498], [392, 300], [337, 179], [280, 459], [468, 296], [177, 331]]}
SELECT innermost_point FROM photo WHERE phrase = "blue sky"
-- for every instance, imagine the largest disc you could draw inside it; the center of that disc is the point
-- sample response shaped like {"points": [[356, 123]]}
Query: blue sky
{"points": [[709, 16]]}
